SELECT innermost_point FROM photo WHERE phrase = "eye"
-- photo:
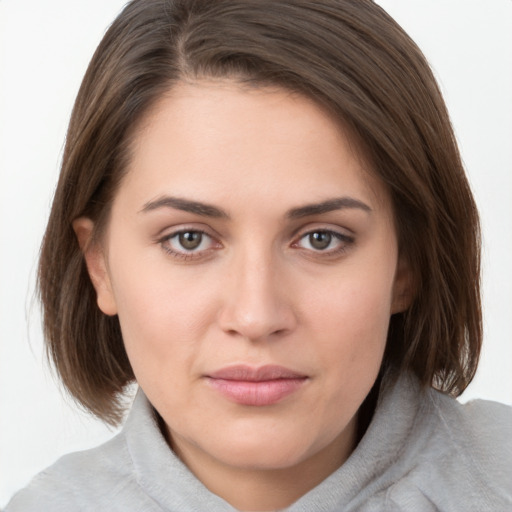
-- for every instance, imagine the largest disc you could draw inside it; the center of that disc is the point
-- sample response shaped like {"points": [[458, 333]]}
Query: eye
{"points": [[189, 240], [319, 240], [187, 243], [322, 240]]}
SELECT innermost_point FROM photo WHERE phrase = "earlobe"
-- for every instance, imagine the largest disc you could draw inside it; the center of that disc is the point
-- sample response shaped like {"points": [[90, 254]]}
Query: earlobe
{"points": [[403, 288], [95, 260]]}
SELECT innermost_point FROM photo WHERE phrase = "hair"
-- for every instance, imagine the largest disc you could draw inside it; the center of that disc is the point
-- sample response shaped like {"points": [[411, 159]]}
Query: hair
{"points": [[350, 57]]}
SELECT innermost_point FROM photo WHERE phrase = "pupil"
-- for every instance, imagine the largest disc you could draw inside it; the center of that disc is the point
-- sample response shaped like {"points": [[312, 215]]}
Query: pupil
{"points": [[190, 240], [320, 240]]}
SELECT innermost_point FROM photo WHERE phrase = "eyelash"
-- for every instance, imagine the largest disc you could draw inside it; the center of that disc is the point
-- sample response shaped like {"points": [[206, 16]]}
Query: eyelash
{"points": [[345, 241], [185, 255]]}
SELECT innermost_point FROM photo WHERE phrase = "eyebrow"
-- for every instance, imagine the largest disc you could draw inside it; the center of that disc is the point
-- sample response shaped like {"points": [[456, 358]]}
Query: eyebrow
{"points": [[186, 205], [208, 210], [339, 203]]}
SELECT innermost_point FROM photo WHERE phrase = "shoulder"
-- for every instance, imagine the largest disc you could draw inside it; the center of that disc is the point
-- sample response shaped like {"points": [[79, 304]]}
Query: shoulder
{"points": [[463, 453], [480, 429], [78, 481], [490, 424], [109, 478]]}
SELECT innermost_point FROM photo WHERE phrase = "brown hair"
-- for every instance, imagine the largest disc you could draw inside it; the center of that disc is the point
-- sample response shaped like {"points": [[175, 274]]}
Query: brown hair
{"points": [[350, 57]]}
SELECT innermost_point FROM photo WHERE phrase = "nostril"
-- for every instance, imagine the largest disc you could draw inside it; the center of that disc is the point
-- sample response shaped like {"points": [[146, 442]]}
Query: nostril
{"points": [[253, 308], [257, 335]]}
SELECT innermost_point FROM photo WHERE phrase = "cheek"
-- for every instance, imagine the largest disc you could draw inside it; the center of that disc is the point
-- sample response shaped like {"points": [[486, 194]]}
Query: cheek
{"points": [[162, 315], [355, 338], [351, 314], [348, 326], [354, 302]]}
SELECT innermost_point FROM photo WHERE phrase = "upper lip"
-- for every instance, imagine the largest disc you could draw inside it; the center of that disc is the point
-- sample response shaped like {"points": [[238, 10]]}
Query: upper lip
{"points": [[255, 374]]}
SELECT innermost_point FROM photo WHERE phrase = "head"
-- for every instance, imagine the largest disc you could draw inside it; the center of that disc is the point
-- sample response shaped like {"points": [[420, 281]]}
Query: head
{"points": [[344, 59]]}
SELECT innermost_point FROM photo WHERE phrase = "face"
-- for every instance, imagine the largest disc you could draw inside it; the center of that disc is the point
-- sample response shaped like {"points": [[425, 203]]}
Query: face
{"points": [[252, 260]]}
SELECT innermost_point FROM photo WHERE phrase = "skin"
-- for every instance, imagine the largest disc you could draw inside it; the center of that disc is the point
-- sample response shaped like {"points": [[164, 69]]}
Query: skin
{"points": [[256, 290]]}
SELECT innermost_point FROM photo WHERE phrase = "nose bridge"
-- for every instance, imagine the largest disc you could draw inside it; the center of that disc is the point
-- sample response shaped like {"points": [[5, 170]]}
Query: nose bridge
{"points": [[256, 305]]}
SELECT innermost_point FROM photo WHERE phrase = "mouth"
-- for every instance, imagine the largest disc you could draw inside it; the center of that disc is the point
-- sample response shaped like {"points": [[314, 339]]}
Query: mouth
{"points": [[265, 385]]}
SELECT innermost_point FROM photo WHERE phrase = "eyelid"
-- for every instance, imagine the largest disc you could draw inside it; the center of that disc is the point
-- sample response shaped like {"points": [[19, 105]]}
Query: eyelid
{"points": [[312, 227], [169, 230], [345, 240], [326, 225], [167, 234], [336, 234]]}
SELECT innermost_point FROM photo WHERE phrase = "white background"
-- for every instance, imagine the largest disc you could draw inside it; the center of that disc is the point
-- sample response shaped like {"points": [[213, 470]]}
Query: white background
{"points": [[44, 50]]}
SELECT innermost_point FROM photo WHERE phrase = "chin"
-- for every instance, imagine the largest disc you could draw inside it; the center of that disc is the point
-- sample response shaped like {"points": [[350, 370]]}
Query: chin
{"points": [[264, 457], [266, 450]]}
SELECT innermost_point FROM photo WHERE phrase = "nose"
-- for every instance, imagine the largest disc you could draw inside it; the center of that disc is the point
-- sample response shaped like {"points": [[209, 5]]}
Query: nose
{"points": [[256, 304]]}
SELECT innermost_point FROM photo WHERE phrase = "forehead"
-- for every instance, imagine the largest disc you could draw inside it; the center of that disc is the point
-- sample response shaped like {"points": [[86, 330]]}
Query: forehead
{"points": [[214, 138]]}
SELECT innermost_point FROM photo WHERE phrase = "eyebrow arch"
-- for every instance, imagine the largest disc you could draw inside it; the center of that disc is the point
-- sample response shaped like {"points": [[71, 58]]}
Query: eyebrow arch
{"points": [[339, 203], [186, 205], [207, 210]]}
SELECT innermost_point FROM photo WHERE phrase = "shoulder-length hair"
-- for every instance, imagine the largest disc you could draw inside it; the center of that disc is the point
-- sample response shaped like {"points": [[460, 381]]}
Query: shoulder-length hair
{"points": [[347, 55]]}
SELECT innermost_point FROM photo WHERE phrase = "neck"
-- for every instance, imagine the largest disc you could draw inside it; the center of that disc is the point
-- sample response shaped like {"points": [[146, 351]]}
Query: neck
{"points": [[249, 489]]}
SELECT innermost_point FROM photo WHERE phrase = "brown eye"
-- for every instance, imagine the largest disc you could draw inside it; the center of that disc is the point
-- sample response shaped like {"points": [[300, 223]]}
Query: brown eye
{"points": [[190, 244], [190, 240], [320, 240], [325, 242]]}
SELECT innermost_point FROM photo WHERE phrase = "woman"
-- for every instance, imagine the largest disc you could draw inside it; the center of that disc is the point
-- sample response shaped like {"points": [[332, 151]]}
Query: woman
{"points": [[263, 219]]}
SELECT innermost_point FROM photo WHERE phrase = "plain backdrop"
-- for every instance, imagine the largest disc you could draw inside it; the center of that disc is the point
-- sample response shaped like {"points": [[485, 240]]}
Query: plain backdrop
{"points": [[45, 47]]}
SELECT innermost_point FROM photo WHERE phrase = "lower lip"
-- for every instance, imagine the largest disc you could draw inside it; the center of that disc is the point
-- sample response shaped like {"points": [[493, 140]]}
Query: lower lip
{"points": [[258, 393]]}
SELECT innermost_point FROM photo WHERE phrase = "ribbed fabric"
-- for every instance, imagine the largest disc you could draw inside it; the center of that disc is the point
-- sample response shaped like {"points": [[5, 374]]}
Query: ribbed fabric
{"points": [[423, 451]]}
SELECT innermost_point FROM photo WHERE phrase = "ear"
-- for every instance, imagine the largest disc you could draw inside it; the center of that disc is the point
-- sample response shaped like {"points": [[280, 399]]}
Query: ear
{"points": [[403, 287], [96, 262]]}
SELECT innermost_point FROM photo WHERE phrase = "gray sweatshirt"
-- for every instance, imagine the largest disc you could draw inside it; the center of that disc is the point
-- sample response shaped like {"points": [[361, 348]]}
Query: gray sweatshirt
{"points": [[423, 451]]}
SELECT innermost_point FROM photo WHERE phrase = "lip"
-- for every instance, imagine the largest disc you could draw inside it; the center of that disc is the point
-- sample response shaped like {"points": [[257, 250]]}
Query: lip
{"points": [[265, 385]]}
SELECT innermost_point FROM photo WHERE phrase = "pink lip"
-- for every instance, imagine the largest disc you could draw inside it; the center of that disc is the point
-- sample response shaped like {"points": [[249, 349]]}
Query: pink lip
{"points": [[261, 386]]}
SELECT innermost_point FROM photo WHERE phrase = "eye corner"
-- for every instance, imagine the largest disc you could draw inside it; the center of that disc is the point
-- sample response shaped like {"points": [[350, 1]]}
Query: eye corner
{"points": [[323, 242], [183, 247]]}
